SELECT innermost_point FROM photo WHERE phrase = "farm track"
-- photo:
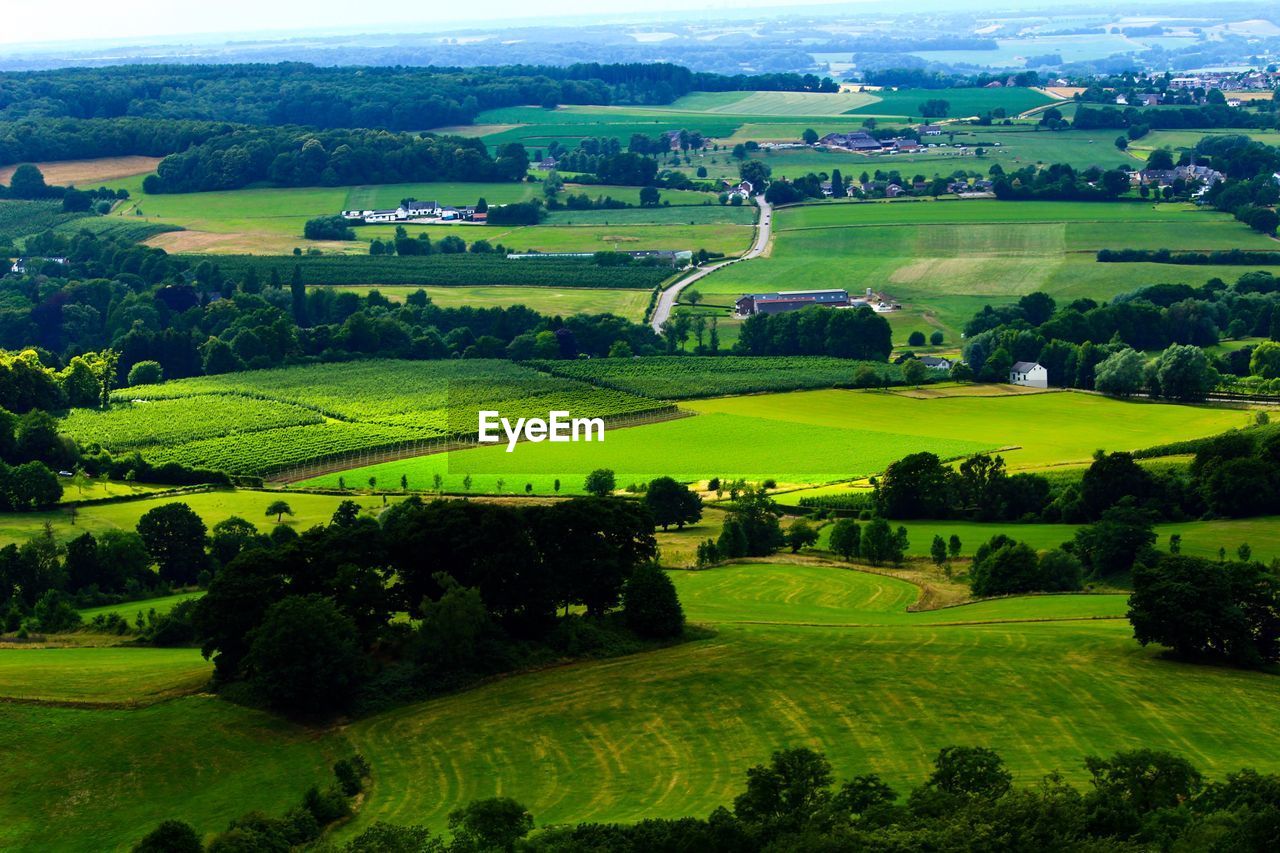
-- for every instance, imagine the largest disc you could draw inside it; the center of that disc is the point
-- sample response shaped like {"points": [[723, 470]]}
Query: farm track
{"points": [[667, 299]]}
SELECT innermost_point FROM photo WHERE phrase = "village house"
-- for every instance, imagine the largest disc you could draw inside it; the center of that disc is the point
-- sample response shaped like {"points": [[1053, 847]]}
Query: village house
{"points": [[934, 362], [546, 164], [1030, 374], [930, 130], [792, 300]]}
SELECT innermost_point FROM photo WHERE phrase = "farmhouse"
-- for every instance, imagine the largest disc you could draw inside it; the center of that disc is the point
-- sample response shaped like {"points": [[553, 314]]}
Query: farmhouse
{"points": [[930, 130], [859, 141], [934, 362], [1029, 373], [791, 300]]}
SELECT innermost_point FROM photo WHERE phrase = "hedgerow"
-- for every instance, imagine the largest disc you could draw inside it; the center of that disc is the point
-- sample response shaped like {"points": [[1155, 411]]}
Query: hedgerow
{"points": [[446, 270]]}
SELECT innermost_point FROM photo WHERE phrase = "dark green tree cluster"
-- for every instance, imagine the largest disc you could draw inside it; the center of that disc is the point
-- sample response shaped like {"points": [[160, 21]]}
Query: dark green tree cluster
{"points": [[306, 622], [857, 333], [295, 157]]}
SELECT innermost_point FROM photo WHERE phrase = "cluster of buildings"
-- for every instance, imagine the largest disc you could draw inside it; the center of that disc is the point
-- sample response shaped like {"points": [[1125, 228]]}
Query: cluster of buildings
{"points": [[1188, 174], [795, 300], [416, 211], [861, 142], [1228, 80]]}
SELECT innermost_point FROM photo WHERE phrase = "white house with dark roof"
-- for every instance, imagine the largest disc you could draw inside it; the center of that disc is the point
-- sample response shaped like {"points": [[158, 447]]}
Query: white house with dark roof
{"points": [[934, 362], [1032, 374]]}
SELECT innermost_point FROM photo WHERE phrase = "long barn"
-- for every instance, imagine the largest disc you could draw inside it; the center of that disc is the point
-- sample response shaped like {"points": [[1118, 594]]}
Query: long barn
{"points": [[790, 300]]}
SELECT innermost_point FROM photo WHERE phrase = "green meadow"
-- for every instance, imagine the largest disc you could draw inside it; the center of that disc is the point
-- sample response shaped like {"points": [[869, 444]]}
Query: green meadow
{"points": [[815, 437], [943, 260], [212, 506], [1044, 680], [551, 301], [1199, 538], [880, 697]]}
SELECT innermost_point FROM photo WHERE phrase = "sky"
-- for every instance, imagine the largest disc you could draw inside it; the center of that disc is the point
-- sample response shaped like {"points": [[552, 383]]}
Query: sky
{"points": [[115, 21]]}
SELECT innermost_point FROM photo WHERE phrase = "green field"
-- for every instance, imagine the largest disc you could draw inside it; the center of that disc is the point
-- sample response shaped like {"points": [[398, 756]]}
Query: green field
{"points": [[819, 437], [99, 779], [551, 301], [668, 733], [1199, 538], [100, 676], [130, 609], [964, 102], [259, 422], [212, 506], [683, 377], [773, 103], [270, 220], [945, 259], [1044, 680]]}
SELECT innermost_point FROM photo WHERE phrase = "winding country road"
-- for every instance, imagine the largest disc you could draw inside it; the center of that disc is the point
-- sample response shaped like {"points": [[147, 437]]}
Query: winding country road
{"points": [[667, 299]]}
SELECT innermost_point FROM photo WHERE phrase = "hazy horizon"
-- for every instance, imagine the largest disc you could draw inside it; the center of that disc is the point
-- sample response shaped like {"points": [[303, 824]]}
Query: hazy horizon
{"points": [[82, 22]]}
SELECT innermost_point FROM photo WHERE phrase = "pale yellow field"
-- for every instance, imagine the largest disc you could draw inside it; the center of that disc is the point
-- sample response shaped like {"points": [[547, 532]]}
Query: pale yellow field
{"points": [[84, 173]]}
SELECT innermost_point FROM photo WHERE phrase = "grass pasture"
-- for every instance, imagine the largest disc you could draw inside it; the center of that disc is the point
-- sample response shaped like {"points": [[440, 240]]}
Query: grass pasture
{"points": [[630, 304], [945, 259], [100, 676], [963, 102], [818, 437], [99, 779], [622, 739]]}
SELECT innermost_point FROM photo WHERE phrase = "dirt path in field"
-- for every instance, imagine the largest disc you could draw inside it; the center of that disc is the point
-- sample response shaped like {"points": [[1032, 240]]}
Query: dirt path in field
{"points": [[667, 299]]}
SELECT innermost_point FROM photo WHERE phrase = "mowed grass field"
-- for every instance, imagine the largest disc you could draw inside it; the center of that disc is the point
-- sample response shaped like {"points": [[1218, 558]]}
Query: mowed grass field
{"points": [[818, 437], [945, 259], [817, 657], [803, 655]]}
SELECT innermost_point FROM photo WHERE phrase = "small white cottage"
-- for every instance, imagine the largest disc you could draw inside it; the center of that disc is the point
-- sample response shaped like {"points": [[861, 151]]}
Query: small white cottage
{"points": [[1029, 373]]}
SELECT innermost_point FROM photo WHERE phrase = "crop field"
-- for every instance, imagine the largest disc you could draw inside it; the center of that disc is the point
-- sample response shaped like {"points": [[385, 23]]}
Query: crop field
{"points": [[728, 239], [964, 102], [773, 103], [701, 214], [88, 173], [882, 697], [551, 301], [261, 421], [20, 219], [684, 377], [774, 435]]}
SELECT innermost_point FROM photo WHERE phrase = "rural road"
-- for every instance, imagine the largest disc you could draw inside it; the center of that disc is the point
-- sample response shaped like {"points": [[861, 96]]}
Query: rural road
{"points": [[667, 299]]}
